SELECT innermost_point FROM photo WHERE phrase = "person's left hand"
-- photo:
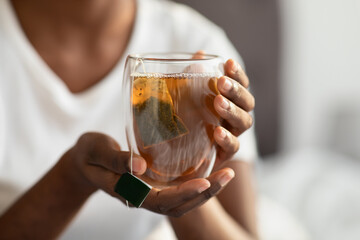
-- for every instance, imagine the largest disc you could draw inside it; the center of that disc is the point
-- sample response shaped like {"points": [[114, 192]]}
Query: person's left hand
{"points": [[176, 200], [233, 104]]}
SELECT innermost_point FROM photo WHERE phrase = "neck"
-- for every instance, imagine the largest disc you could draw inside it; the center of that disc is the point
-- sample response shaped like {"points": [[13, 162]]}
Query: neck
{"points": [[81, 40], [80, 16]]}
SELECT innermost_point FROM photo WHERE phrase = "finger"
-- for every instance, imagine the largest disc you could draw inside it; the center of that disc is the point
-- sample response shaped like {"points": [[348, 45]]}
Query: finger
{"points": [[101, 150], [195, 67], [102, 179], [218, 181], [235, 92], [198, 55], [161, 201], [235, 71], [239, 119], [120, 162], [228, 143]]}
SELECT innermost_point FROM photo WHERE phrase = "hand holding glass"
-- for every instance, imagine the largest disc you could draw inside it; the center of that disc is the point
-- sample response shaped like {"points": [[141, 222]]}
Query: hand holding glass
{"points": [[171, 116]]}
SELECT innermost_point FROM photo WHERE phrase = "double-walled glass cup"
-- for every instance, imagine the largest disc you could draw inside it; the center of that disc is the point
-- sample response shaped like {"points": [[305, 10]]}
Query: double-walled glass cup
{"points": [[170, 114]]}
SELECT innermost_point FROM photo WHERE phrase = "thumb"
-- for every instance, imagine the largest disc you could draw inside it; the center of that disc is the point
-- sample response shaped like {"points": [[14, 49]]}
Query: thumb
{"points": [[121, 162], [102, 150]]}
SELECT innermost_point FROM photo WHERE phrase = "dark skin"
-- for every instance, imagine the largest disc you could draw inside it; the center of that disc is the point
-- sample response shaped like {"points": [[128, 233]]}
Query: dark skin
{"points": [[81, 42]]}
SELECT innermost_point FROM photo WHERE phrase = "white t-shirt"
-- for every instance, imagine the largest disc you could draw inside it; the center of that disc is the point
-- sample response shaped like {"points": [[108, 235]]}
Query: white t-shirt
{"points": [[40, 118]]}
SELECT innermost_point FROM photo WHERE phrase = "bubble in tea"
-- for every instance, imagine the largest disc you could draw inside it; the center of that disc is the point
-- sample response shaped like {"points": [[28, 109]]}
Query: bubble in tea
{"points": [[174, 121]]}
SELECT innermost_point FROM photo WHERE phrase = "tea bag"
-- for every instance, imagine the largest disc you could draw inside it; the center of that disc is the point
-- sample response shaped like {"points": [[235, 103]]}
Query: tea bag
{"points": [[154, 111]]}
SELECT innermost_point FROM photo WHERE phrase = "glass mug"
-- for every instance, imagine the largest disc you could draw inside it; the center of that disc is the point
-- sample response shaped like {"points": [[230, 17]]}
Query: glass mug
{"points": [[170, 118]]}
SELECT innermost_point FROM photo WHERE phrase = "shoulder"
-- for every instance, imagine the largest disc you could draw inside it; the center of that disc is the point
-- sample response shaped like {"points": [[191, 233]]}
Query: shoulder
{"points": [[180, 15], [184, 28]]}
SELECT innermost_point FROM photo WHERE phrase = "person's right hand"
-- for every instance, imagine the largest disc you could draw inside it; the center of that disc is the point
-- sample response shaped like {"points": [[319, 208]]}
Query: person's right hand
{"points": [[101, 162]]}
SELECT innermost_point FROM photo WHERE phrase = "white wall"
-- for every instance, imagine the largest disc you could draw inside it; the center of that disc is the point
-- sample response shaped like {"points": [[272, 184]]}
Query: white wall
{"points": [[321, 74]]}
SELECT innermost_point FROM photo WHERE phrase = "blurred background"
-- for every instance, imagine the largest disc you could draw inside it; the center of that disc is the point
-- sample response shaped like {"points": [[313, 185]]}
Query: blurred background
{"points": [[302, 57]]}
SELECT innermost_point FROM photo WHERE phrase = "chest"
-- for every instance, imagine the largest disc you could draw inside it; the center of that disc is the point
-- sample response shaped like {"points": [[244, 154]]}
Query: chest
{"points": [[80, 67], [38, 126]]}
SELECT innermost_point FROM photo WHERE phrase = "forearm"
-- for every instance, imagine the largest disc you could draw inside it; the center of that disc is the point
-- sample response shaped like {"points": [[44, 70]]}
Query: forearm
{"points": [[239, 199], [45, 210], [231, 215], [209, 221]]}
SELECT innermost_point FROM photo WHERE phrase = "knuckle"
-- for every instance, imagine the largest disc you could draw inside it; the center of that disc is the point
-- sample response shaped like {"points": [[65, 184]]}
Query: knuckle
{"points": [[83, 139], [88, 142], [85, 136], [89, 137]]}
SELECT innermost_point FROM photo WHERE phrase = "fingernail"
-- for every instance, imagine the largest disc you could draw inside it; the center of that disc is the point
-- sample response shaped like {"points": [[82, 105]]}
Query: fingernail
{"points": [[203, 188], [227, 85], [225, 179], [235, 67], [137, 164], [225, 104], [223, 134]]}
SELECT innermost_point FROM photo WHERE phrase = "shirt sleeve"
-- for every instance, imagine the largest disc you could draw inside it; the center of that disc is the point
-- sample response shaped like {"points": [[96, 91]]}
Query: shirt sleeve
{"points": [[219, 44]]}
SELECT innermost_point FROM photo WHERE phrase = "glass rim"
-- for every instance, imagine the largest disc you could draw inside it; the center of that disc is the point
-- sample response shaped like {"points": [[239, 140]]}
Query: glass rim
{"points": [[161, 57]]}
